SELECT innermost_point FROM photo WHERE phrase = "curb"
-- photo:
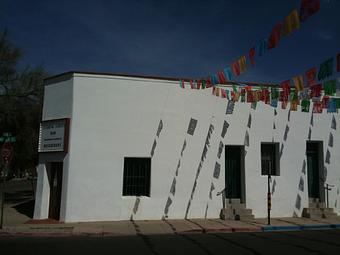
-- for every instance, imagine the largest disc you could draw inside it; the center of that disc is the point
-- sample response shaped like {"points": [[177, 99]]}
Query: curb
{"points": [[34, 234], [298, 228], [192, 231], [335, 225], [280, 228], [222, 230]]}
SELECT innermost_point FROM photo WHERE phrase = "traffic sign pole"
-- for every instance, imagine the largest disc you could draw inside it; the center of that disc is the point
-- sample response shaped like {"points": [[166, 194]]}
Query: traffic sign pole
{"points": [[3, 194], [269, 195], [6, 153]]}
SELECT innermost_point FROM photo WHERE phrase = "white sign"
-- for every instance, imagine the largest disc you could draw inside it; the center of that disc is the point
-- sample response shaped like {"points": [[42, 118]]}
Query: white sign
{"points": [[53, 136]]}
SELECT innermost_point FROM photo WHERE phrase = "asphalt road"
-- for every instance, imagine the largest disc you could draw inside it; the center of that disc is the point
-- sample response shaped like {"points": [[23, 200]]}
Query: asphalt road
{"points": [[306, 242]]}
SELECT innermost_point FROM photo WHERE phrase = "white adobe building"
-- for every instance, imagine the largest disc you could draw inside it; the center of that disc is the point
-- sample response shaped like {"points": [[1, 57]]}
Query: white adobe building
{"points": [[116, 147]]}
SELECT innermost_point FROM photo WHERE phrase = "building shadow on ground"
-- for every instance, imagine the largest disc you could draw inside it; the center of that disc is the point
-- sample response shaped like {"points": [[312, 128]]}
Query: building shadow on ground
{"points": [[26, 208]]}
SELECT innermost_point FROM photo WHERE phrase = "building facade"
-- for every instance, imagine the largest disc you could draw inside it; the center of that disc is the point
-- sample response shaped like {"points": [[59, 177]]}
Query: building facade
{"points": [[119, 147]]}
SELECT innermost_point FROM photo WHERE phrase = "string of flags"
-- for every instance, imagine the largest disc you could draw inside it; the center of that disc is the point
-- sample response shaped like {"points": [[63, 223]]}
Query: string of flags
{"points": [[313, 85], [294, 90]]}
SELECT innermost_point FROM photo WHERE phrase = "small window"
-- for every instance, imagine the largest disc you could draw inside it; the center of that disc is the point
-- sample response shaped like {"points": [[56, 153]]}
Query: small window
{"points": [[270, 159], [136, 180]]}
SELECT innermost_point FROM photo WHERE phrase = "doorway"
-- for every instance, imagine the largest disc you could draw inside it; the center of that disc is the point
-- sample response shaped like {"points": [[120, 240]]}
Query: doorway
{"points": [[234, 172], [55, 180], [314, 153]]}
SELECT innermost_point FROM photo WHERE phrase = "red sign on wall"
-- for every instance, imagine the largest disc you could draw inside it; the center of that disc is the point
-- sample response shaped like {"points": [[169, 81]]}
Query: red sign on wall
{"points": [[6, 152]]}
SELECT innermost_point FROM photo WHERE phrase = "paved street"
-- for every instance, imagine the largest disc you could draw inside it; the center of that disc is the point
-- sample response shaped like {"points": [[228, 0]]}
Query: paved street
{"points": [[300, 242]]}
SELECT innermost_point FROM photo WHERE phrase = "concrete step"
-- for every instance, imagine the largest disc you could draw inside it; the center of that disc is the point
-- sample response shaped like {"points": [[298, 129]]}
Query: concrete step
{"points": [[242, 211], [317, 205], [235, 206], [312, 213], [331, 216], [313, 200], [318, 212], [327, 210], [233, 201], [227, 215], [314, 210], [236, 212], [244, 217]]}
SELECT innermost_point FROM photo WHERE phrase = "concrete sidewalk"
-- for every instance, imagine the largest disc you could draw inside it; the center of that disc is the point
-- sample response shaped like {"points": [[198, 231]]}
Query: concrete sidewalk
{"points": [[128, 228], [17, 221]]}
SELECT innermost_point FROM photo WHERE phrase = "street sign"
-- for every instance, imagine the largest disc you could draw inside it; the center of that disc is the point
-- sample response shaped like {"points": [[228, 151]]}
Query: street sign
{"points": [[8, 139]]}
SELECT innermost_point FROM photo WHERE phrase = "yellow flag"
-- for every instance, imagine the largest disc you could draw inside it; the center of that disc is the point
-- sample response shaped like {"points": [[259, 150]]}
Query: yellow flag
{"points": [[298, 82], [293, 105], [236, 96], [291, 23], [217, 92], [242, 64]]}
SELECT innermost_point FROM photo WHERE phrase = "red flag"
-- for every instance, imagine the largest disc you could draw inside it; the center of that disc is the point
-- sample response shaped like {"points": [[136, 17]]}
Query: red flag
{"points": [[223, 93], [198, 84], [250, 96], [275, 36], [221, 77], [235, 68], [209, 83], [311, 75], [181, 84], [338, 63], [248, 88], [315, 90], [285, 85], [317, 107], [252, 56], [325, 102], [265, 96], [191, 84], [308, 8], [283, 96]]}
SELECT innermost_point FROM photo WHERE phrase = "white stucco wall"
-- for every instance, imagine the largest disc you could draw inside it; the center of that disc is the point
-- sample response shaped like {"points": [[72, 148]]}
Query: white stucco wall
{"points": [[58, 100], [115, 117]]}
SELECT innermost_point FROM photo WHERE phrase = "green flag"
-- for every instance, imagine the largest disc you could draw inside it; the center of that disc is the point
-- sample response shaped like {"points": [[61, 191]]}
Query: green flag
{"points": [[204, 84], [329, 87], [234, 88], [274, 93], [326, 69], [337, 103], [293, 95], [305, 105]]}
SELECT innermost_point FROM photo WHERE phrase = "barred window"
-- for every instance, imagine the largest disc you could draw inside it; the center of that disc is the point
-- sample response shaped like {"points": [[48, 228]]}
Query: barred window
{"points": [[136, 180], [270, 158]]}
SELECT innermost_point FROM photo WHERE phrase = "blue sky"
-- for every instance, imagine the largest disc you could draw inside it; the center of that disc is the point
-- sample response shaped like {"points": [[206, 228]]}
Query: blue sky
{"points": [[167, 38]]}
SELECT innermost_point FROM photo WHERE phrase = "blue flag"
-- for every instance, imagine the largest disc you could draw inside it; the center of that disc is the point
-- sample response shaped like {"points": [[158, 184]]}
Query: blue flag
{"points": [[228, 73], [332, 105]]}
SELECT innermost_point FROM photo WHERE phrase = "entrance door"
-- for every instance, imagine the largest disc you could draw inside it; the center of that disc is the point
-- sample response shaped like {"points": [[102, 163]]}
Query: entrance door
{"points": [[233, 171], [55, 189], [313, 159]]}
